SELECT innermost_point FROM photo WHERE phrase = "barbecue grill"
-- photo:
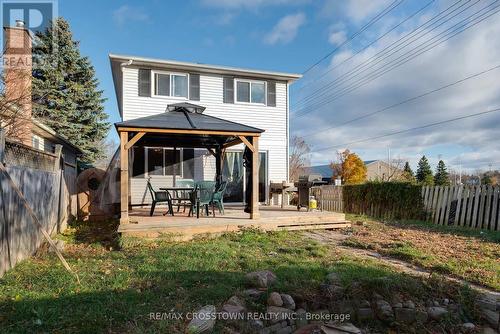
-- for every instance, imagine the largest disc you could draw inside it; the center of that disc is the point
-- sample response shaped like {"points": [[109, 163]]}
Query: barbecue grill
{"points": [[304, 185]]}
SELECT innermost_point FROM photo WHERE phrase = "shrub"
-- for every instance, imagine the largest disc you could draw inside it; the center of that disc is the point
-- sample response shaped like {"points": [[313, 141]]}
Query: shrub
{"points": [[391, 200]]}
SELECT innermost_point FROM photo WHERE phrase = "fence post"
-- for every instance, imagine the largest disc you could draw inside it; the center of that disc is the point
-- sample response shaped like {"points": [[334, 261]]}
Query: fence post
{"points": [[2, 145], [59, 168]]}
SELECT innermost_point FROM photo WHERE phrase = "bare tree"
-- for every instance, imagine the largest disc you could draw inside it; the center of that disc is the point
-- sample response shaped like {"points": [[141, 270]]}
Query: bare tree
{"points": [[299, 157], [395, 169], [109, 149]]}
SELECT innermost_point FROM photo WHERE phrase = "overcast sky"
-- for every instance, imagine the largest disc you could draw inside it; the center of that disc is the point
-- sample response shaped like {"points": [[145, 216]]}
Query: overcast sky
{"points": [[292, 35]]}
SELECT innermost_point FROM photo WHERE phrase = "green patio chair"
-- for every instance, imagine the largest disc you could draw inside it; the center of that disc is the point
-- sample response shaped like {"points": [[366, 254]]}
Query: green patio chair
{"points": [[159, 197], [205, 191], [182, 197], [217, 198]]}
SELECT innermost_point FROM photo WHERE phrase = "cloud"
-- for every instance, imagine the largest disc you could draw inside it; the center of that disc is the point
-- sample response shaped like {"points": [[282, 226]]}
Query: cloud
{"points": [[286, 29], [250, 4], [337, 37], [128, 13], [470, 143], [358, 10]]}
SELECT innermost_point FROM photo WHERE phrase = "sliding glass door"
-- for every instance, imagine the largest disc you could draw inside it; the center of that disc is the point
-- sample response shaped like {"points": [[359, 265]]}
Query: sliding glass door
{"points": [[234, 173]]}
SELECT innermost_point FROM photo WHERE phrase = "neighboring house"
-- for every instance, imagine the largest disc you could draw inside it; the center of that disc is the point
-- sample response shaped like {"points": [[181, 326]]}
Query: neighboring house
{"points": [[376, 170], [17, 108], [255, 98]]}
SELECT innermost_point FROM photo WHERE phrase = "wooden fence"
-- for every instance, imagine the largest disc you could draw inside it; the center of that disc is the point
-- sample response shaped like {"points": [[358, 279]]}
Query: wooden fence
{"points": [[470, 206], [47, 188], [329, 197]]}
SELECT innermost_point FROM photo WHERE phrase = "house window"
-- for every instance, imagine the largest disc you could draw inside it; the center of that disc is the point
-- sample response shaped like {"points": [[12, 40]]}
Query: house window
{"points": [[171, 84], [251, 91], [155, 161], [37, 142], [166, 162]]}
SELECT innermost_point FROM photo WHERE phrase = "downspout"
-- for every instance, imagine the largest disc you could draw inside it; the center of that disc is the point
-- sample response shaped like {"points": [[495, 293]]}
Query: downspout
{"points": [[122, 66]]}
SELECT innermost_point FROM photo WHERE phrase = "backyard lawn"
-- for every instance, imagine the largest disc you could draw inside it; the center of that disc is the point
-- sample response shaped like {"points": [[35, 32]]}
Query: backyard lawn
{"points": [[124, 280], [468, 254]]}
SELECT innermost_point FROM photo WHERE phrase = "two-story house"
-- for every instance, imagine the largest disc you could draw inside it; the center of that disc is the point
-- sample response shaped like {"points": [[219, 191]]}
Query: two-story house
{"points": [[260, 99]]}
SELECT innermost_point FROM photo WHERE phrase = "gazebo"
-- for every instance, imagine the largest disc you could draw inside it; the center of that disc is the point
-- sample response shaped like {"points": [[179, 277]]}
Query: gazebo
{"points": [[184, 125]]}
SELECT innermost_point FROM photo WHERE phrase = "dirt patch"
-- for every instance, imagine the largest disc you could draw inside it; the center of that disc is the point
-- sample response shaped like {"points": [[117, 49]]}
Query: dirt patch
{"points": [[469, 258]]}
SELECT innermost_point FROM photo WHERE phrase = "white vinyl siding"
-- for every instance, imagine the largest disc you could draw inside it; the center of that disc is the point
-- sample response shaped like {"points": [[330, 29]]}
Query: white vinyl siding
{"points": [[273, 120]]}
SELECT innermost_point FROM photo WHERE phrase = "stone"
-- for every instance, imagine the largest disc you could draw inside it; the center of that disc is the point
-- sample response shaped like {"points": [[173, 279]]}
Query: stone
{"points": [[341, 328], [288, 301], [274, 299], [301, 320], [261, 279], [488, 330], [284, 330], [333, 278], [384, 311], [365, 314], [233, 310], [492, 317], [397, 305], [421, 316], [253, 293], [435, 303], [228, 330], [309, 329], [408, 304], [486, 304], [236, 301], [204, 322], [255, 324], [436, 312], [446, 301], [404, 315], [278, 314], [331, 290], [364, 304], [468, 326]]}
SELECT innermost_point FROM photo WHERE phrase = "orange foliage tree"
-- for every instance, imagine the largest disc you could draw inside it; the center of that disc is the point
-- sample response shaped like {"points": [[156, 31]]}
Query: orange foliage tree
{"points": [[352, 169]]}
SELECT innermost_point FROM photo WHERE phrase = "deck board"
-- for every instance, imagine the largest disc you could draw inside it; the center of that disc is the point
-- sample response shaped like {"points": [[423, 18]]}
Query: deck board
{"points": [[271, 219]]}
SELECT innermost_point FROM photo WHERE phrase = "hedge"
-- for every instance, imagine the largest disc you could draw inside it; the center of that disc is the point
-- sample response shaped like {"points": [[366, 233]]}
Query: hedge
{"points": [[386, 200]]}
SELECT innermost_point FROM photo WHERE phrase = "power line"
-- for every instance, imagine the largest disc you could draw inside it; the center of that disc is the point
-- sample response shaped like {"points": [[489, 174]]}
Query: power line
{"points": [[367, 46], [407, 57], [404, 101], [381, 56], [387, 10], [393, 44], [407, 130]]}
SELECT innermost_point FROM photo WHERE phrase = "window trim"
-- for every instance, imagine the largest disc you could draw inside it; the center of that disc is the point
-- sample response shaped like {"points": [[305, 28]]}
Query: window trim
{"points": [[171, 76], [250, 81]]}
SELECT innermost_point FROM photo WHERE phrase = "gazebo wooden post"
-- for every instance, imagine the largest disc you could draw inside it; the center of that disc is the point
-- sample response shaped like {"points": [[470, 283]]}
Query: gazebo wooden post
{"points": [[254, 204], [123, 178]]}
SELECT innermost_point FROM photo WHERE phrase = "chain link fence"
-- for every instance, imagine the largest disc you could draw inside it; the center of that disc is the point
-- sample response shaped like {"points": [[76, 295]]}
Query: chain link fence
{"points": [[17, 154]]}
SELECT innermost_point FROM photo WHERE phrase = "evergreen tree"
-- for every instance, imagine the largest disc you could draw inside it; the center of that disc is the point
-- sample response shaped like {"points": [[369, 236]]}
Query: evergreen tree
{"points": [[424, 172], [441, 178], [408, 175], [65, 91], [486, 179]]}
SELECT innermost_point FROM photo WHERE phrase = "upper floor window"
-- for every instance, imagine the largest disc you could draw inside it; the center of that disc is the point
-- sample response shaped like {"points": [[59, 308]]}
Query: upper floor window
{"points": [[249, 91], [171, 84]]}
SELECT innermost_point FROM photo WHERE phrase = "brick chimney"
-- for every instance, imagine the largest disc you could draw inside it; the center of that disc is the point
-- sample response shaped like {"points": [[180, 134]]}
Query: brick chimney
{"points": [[17, 64]]}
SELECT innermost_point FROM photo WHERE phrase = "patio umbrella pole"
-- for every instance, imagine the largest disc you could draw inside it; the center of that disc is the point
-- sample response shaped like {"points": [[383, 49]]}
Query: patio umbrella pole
{"points": [[37, 222]]}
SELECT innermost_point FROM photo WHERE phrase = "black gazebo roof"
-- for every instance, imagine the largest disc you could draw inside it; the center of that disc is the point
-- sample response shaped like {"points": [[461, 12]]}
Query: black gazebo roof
{"points": [[186, 116], [195, 129]]}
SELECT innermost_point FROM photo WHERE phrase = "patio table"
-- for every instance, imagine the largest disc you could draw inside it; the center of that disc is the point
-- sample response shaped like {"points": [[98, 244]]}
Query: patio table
{"points": [[187, 194]]}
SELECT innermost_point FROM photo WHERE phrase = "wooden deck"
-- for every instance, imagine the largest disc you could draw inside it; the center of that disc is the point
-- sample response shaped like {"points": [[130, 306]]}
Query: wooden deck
{"points": [[271, 219]]}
